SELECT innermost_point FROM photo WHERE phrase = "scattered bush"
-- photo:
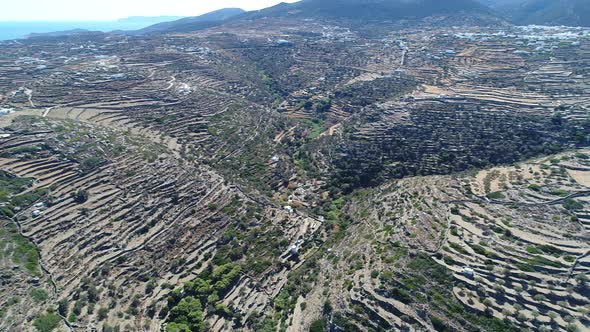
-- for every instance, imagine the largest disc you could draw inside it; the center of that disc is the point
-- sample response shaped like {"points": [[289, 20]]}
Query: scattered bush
{"points": [[572, 205], [318, 326], [103, 313], [47, 322], [39, 295], [535, 187], [496, 195], [80, 196]]}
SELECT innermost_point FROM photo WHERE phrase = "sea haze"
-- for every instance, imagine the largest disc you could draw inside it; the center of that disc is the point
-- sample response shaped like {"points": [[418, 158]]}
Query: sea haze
{"points": [[15, 30]]}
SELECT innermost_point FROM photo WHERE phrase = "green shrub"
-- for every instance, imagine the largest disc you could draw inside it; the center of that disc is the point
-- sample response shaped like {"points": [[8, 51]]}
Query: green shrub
{"points": [[89, 164], [549, 249], [177, 327], [498, 230], [535, 187], [189, 313], [47, 323], [318, 326], [103, 313], [62, 307], [439, 324], [496, 195], [572, 205], [533, 250], [559, 192], [39, 295], [457, 247], [539, 297]]}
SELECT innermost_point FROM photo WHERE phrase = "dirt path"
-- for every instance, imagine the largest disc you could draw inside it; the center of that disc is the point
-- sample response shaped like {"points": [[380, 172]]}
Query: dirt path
{"points": [[171, 83], [29, 94], [47, 110]]}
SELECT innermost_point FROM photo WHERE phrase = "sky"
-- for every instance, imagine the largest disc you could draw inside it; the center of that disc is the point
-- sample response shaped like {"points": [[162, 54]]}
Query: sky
{"points": [[103, 10]]}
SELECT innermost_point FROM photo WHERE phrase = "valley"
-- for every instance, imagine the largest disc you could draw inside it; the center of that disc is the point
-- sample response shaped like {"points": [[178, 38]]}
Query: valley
{"points": [[287, 172]]}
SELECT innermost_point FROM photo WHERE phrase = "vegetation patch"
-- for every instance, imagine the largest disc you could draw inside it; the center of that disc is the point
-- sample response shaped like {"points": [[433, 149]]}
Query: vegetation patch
{"points": [[496, 195], [47, 322], [22, 251], [186, 304]]}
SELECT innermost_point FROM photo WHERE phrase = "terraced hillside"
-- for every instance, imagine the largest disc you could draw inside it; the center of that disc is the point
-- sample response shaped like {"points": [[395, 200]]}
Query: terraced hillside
{"points": [[115, 204], [505, 247], [28, 290], [460, 117], [296, 174]]}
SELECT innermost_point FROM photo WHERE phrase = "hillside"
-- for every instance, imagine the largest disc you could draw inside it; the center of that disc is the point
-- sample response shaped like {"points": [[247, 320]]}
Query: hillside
{"points": [[148, 20], [193, 23], [294, 173], [544, 12], [371, 9]]}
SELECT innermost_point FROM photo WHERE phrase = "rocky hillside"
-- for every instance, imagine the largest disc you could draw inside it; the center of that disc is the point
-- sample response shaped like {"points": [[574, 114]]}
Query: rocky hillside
{"points": [[499, 248]]}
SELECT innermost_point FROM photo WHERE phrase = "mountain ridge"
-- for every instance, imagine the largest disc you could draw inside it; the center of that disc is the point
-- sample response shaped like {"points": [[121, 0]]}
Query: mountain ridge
{"points": [[204, 21], [543, 12], [366, 10], [370, 9]]}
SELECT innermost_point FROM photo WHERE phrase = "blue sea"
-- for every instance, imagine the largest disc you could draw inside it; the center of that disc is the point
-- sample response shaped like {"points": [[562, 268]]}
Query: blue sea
{"points": [[14, 30]]}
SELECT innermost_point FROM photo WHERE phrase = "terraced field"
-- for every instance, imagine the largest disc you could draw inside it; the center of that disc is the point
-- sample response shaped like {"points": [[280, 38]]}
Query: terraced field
{"points": [[510, 243], [293, 174]]}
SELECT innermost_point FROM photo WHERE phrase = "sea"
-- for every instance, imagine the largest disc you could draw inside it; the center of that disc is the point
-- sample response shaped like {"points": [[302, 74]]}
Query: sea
{"points": [[16, 30]]}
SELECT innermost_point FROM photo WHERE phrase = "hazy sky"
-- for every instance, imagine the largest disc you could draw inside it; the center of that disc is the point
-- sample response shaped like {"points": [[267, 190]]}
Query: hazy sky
{"points": [[84, 10]]}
